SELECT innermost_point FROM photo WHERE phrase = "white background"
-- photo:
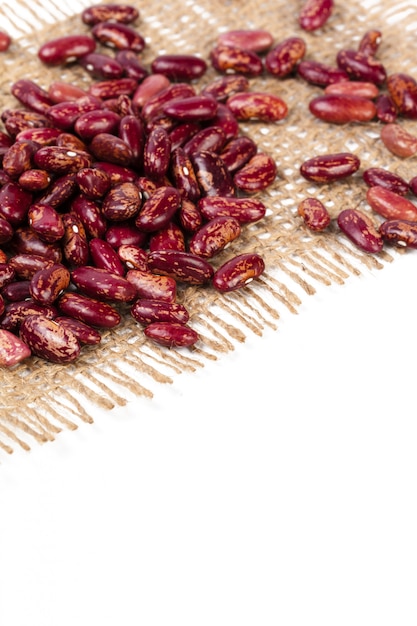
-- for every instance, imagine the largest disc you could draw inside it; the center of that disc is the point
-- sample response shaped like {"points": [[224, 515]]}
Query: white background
{"points": [[276, 486]]}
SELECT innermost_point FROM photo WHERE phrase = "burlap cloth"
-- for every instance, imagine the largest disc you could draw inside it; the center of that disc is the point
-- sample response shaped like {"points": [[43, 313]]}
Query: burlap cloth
{"points": [[39, 399]]}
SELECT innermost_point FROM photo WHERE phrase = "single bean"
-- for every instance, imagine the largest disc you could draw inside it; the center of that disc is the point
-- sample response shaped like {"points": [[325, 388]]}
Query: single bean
{"points": [[47, 284], [48, 340], [327, 168], [399, 140], [124, 13], [361, 230], [257, 173], [153, 286], [171, 237], [171, 335], [282, 59], [158, 210], [179, 67], [342, 109], [361, 66], [148, 311], [244, 210], [314, 14], [254, 39], [84, 333], [122, 202], [315, 215], [384, 178], [91, 311], [101, 284], [234, 59], [104, 256], [118, 36], [214, 236], [255, 105], [238, 272], [182, 266], [66, 49], [399, 232], [12, 349], [403, 90], [390, 205]]}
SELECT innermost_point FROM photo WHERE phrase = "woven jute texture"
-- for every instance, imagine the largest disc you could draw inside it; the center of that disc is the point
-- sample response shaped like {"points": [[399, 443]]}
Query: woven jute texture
{"points": [[39, 399]]}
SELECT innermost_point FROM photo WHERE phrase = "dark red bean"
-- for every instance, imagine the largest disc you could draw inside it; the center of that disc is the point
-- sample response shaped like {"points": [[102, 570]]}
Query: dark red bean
{"points": [[101, 284], [89, 310], [118, 35], [148, 311], [171, 335], [327, 168], [361, 230], [66, 49], [113, 12], [238, 272], [179, 67], [314, 14]]}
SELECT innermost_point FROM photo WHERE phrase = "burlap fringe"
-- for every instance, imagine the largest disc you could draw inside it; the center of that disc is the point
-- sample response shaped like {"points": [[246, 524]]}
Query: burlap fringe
{"points": [[42, 399]]}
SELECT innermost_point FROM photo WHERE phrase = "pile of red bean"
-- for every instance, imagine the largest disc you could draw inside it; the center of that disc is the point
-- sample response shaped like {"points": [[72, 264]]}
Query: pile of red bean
{"points": [[111, 196]]}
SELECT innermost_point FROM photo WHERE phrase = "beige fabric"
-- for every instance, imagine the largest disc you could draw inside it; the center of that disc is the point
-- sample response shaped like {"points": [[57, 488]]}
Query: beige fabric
{"points": [[39, 399]]}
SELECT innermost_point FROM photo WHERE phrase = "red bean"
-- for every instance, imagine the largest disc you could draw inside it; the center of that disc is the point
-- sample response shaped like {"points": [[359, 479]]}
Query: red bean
{"points": [[361, 230], [314, 14], [254, 39], [327, 168], [238, 272], [66, 49], [5, 41]]}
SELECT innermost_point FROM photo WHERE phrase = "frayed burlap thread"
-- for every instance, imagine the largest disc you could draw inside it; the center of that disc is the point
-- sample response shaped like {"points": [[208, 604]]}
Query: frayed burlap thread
{"points": [[40, 399]]}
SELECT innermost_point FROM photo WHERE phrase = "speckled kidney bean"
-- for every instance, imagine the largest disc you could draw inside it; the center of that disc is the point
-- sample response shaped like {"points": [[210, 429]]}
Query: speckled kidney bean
{"points": [[103, 285], [212, 174], [353, 88], [16, 312], [234, 59], [118, 36], [193, 108], [90, 215], [342, 109], [14, 203], [107, 89], [122, 202], [61, 161], [254, 39], [384, 178], [74, 242], [370, 42], [7, 274], [238, 151], [31, 95], [110, 148], [282, 59], [91, 311], [315, 215], [211, 138], [156, 153], [179, 67], [146, 311], [398, 140], [361, 230], [189, 216], [257, 173], [59, 191], [171, 237], [245, 210], [91, 123], [46, 222], [26, 241], [48, 283], [159, 209], [170, 334], [12, 349], [314, 14], [183, 175], [256, 105], [101, 66], [113, 12], [238, 272], [153, 286], [18, 157], [20, 120], [361, 66], [66, 49], [25, 265], [85, 334], [227, 85], [71, 142], [48, 340], [399, 232], [93, 182], [104, 256], [390, 205], [43, 136], [181, 133], [133, 257], [63, 115], [34, 180], [214, 236], [182, 266], [326, 168], [403, 90], [386, 111], [322, 74]]}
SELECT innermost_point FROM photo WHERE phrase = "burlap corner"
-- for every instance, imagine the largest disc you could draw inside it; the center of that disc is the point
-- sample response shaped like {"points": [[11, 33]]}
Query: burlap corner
{"points": [[39, 399]]}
